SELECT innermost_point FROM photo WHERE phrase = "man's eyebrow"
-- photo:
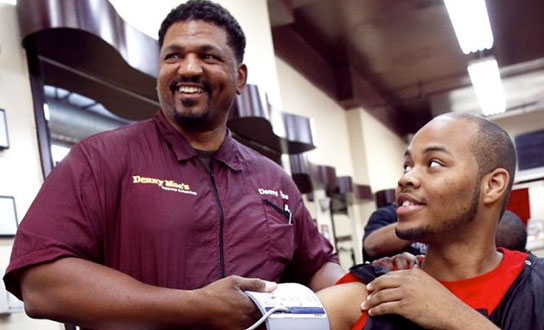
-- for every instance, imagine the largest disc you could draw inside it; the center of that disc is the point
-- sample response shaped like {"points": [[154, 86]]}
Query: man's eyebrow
{"points": [[202, 48], [172, 47], [408, 154], [208, 47], [436, 148]]}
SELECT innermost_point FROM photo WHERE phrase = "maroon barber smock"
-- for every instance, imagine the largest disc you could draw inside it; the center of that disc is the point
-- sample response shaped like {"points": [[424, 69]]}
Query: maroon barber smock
{"points": [[138, 199]]}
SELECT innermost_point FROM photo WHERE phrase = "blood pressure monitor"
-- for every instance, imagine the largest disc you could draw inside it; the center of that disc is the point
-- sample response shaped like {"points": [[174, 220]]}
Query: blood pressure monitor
{"points": [[290, 306]]}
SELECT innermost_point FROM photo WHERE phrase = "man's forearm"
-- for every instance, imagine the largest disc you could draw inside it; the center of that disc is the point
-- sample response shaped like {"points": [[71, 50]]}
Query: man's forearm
{"points": [[77, 291], [384, 242], [326, 276], [467, 318]]}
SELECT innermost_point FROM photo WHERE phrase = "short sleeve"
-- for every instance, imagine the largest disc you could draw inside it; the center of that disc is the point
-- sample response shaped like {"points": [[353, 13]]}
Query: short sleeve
{"points": [[63, 221], [312, 249]]}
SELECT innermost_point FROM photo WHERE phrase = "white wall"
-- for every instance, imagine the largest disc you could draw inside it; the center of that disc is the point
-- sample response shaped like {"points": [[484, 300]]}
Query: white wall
{"points": [[384, 153], [330, 127], [330, 135], [536, 194], [378, 157], [352, 141], [20, 168]]}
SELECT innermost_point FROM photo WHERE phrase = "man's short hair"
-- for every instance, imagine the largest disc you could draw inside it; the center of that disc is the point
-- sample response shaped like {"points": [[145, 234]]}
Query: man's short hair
{"points": [[492, 148], [212, 13], [511, 232]]}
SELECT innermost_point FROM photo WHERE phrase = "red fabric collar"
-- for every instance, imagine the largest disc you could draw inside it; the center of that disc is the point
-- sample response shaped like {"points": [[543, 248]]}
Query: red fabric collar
{"points": [[488, 290]]}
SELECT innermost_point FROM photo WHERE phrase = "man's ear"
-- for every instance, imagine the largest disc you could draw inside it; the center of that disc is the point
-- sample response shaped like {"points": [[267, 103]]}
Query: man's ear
{"points": [[242, 78], [494, 185]]}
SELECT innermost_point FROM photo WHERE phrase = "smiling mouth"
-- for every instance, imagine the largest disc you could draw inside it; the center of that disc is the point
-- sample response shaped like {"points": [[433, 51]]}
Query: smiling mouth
{"points": [[408, 204], [183, 89], [408, 208], [190, 87]]}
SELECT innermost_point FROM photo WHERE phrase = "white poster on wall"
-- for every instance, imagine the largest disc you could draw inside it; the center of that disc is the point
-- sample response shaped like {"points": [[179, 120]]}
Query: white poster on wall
{"points": [[8, 216], [4, 142]]}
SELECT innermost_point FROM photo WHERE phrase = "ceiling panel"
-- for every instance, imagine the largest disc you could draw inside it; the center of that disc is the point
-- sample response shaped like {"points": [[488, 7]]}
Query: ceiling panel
{"points": [[405, 56]]}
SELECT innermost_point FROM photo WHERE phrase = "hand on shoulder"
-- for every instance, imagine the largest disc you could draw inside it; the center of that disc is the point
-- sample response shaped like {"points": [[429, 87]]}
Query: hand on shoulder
{"points": [[417, 296], [400, 261]]}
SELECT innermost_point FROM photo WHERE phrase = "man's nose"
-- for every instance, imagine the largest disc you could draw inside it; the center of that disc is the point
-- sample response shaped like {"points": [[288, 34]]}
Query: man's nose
{"points": [[190, 66], [409, 179]]}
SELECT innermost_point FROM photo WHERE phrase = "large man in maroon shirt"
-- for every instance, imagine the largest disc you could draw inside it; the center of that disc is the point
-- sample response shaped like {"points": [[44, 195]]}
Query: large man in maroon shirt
{"points": [[146, 226]]}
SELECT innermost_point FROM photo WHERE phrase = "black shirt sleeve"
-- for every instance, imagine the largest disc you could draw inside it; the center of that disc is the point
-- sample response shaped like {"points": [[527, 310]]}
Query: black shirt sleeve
{"points": [[521, 307], [380, 218]]}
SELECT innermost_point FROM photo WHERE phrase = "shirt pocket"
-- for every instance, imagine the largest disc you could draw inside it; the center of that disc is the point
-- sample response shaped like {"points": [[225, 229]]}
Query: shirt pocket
{"points": [[280, 232]]}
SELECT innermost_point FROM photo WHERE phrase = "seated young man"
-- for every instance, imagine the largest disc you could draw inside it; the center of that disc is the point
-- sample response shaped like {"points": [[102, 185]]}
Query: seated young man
{"points": [[458, 172]]}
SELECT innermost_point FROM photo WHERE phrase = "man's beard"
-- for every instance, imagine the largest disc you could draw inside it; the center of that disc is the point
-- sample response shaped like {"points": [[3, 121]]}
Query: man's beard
{"points": [[421, 233], [189, 120], [192, 121]]}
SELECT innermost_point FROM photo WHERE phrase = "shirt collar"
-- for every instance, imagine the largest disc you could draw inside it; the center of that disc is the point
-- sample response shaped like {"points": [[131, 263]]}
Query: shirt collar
{"points": [[228, 153]]}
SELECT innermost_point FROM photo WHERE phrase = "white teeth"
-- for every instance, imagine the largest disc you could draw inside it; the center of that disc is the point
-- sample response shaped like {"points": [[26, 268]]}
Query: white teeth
{"points": [[407, 203], [189, 89]]}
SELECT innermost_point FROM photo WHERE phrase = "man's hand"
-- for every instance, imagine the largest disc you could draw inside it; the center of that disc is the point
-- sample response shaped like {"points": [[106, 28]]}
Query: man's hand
{"points": [[227, 306], [400, 261], [420, 298]]}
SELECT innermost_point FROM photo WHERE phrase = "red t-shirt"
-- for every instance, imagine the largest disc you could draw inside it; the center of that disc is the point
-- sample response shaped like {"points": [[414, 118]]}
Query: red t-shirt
{"points": [[484, 292]]}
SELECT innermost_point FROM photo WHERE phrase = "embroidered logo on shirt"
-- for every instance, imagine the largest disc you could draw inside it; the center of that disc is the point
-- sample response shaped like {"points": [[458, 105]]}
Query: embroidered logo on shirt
{"points": [[168, 185], [273, 193]]}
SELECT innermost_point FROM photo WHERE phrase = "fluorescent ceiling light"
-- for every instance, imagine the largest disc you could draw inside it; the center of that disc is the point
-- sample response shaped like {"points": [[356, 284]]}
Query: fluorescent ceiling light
{"points": [[486, 80], [10, 2], [471, 24]]}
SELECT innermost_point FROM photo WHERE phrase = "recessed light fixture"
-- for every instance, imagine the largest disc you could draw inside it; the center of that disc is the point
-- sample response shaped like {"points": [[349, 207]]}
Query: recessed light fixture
{"points": [[486, 80], [471, 24]]}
